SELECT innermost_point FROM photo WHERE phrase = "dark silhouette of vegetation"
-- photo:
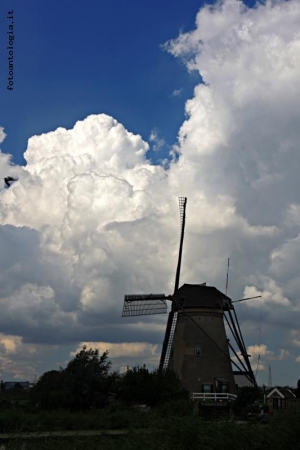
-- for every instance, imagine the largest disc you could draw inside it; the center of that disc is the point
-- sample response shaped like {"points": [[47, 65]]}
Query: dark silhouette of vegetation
{"points": [[49, 392], [86, 379], [247, 396], [87, 383], [297, 391], [75, 397], [170, 424], [83, 384], [156, 431], [140, 386]]}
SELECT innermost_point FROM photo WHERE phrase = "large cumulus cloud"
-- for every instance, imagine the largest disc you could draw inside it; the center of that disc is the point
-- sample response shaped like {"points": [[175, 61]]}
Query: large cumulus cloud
{"points": [[91, 218], [240, 145]]}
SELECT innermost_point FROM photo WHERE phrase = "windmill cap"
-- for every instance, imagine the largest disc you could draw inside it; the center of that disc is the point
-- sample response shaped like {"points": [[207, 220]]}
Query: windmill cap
{"points": [[201, 296]]}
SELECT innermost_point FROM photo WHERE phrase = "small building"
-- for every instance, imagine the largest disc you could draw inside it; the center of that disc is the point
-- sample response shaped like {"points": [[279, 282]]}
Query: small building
{"points": [[281, 398], [13, 384]]}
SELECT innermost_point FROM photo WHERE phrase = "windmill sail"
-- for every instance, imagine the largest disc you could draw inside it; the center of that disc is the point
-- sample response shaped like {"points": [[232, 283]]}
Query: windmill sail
{"points": [[172, 319], [167, 345], [143, 305], [243, 358], [182, 207]]}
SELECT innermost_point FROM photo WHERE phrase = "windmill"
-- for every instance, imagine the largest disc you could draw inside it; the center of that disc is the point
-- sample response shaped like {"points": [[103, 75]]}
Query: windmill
{"points": [[195, 345]]}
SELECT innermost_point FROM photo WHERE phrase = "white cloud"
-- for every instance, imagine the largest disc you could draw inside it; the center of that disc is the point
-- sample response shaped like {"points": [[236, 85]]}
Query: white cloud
{"points": [[271, 294], [91, 218], [295, 338], [260, 355], [158, 142], [260, 350], [238, 128], [10, 343], [22, 360], [284, 354], [177, 92], [123, 349], [125, 354], [2, 135]]}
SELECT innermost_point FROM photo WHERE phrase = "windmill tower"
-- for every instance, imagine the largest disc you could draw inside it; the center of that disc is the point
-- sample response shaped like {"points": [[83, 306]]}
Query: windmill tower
{"points": [[195, 345]]}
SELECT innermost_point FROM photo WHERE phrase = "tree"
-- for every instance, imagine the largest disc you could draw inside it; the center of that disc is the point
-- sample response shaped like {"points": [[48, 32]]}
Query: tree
{"points": [[86, 379], [137, 386], [247, 396], [83, 384], [49, 391]]}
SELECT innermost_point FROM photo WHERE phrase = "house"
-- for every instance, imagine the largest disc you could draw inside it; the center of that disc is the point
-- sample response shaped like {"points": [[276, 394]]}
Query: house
{"points": [[281, 398]]}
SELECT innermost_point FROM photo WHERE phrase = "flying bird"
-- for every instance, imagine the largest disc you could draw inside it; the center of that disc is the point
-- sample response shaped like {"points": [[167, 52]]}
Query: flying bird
{"points": [[9, 180]]}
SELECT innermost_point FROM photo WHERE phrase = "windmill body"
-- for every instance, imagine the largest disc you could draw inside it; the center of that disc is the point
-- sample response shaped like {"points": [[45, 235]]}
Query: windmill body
{"points": [[195, 345], [200, 354]]}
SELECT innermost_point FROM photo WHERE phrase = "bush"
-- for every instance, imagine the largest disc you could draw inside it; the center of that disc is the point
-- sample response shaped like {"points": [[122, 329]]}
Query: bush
{"points": [[140, 386]]}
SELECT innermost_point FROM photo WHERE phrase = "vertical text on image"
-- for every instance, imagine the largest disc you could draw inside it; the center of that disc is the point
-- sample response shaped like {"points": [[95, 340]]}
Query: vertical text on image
{"points": [[10, 48]]}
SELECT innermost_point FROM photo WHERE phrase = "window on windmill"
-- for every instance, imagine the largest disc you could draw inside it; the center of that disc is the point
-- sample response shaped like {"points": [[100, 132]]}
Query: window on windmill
{"points": [[222, 385], [197, 351], [207, 388]]}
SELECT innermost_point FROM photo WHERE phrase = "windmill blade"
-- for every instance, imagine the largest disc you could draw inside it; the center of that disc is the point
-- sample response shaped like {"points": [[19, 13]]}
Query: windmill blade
{"points": [[168, 340], [182, 208], [234, 327], [243, 299], [144, 304]]}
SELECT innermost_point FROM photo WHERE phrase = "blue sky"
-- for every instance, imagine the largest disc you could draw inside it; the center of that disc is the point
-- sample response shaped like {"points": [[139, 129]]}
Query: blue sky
{"points": [[72, 60], [89, 202]]}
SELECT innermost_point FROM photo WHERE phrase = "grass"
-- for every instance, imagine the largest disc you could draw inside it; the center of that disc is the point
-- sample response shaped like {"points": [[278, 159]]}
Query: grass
{"points": [[116, 417], [185, 434], [173, 426]]}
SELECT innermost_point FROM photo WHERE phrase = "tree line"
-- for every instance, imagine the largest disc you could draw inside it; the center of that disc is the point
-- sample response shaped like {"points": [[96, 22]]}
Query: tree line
{"points": [[88, 382]]}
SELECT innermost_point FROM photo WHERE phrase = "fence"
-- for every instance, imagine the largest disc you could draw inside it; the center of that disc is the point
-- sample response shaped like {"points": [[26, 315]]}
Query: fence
{"points": [[213, 396]]}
